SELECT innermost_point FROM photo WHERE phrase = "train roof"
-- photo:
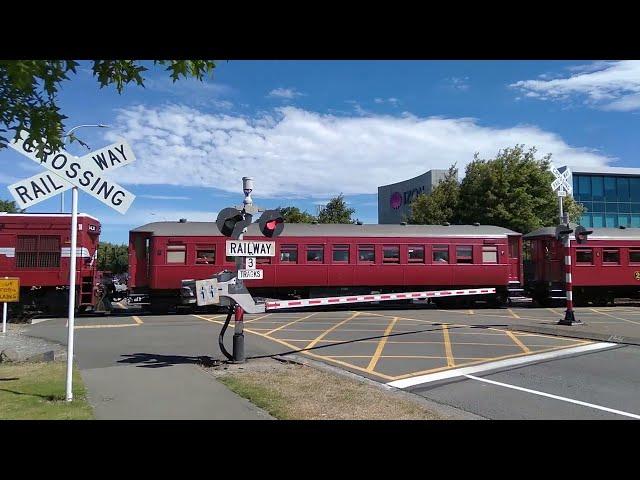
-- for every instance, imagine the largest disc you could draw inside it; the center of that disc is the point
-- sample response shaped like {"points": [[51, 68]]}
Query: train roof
{"points": [[48, 215], [164, 229], [598, 233]]}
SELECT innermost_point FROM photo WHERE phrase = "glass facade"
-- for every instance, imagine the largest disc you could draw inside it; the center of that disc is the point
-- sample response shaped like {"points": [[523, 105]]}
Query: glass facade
{"points": [[610, 200]]}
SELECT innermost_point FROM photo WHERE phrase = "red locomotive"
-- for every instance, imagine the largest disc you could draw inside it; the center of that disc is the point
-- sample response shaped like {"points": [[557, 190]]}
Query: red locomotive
{"points": [[317, 260], [605, 265], [36, 248]]}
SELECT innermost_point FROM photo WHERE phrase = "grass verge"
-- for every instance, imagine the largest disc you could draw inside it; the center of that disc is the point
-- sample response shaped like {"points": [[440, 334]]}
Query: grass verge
{"points": [[36, 391], [299, 392]]}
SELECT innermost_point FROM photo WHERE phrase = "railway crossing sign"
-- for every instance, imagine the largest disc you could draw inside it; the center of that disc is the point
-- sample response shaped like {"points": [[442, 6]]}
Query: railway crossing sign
{"points": [[207, 292], [561, 185], [250, 263], [253, 274], [67, 171], [250, 248]]}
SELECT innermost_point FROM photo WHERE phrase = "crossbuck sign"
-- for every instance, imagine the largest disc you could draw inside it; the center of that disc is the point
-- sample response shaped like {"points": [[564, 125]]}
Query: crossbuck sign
{"points": [[66, 171], [561, 184]]}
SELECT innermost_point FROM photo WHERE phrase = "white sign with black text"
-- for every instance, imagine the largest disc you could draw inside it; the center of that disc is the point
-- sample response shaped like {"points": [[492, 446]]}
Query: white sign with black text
{"points": [[249, 248], [250, 274], [250, 263], [207, 292], [86, 173]]}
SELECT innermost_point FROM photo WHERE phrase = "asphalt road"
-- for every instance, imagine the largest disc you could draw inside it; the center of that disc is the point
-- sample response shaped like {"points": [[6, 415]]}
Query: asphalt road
{"points": [[536, 376]]}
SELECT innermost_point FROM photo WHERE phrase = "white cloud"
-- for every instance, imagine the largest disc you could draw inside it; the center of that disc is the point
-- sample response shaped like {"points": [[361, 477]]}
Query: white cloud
{"points": [[458, 83], [164, 197], [295, 153], [286, 93], [604, 85], [391, 100]]}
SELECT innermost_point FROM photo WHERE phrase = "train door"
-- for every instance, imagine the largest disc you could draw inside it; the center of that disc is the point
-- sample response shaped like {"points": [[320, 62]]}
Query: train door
{"points": [[514, 259]]}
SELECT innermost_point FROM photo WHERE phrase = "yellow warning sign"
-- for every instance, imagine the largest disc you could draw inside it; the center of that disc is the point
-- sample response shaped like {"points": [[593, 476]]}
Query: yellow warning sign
{"points": [[9, 289]]}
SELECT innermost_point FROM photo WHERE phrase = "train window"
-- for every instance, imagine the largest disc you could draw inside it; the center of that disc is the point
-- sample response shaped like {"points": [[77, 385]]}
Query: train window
{"points": [[206, 255], [416, 254], [289, 254], [440, 254], [464, 254], [391, 254], [584, 255], [489, 254], [341, 253], [366, 254], [315, 254], [634, 255], [611, 256], [176, 253]]}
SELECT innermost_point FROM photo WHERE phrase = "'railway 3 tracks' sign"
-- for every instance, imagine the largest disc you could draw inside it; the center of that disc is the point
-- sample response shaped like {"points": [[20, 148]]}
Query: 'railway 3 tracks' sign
{"points": [[66, 171]]}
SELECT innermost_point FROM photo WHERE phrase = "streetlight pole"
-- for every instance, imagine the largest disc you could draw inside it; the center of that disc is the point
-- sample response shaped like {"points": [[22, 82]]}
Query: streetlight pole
{"points": [[72, 276]]}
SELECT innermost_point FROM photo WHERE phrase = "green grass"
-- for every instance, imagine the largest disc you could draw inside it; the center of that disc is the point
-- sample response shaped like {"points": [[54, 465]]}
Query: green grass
{"points": [[262, 396], [36, 391]]}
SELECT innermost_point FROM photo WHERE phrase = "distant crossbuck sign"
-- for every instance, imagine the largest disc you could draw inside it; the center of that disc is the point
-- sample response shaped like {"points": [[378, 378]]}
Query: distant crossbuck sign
{"points": [[66, 171], [561, 184]]}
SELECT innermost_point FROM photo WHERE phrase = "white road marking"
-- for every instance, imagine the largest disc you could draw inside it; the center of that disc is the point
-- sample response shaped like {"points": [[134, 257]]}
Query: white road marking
{"points": [[556, 397], [509, 362]]}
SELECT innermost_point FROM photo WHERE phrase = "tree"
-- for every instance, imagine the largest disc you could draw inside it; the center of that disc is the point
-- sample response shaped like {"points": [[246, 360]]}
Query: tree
{"points": [[28, 92], [336, 211], [295, 215], [9, 206], [513, 191], [113, 258], [441, 205]]}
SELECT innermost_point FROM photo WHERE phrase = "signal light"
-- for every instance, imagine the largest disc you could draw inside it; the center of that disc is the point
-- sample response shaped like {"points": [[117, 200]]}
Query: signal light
{"points": [[563, 230], [231, 222], [582, 234], [271, 223]]}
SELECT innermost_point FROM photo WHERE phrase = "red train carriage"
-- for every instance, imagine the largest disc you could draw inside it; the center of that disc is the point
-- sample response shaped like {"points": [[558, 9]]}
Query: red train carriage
{"points": [[36, 248], [605, 266], [317, 260]]}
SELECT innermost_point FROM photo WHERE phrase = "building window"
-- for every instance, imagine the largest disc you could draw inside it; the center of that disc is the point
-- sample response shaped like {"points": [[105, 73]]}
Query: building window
{"points": [[623, 189], [634, 187], [624, 220], [586, 220], [176, 254], [490, 254], [634, 255], [341, 253], [289, 254], [597, 188], [391, 254], [584, 187], [464, 254], [635, 220], [315, 254], [206, 255], [416, 254], [598, 220], [611, 255], [584, 256], [610, 220], [610, 189], [366, 254], [440, 254]]}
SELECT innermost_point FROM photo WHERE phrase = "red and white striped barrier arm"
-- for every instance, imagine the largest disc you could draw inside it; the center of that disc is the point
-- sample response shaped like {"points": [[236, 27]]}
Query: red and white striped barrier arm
{"points": [[311, 302]]}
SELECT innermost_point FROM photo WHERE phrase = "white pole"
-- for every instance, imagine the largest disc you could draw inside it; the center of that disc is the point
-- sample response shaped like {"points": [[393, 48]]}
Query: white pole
{"points": [[561, 214], [4, 317], [72, 289]]}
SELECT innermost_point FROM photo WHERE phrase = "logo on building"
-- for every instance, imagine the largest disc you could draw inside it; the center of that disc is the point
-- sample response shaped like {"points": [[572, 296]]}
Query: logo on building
{"points": [[396, 200]]}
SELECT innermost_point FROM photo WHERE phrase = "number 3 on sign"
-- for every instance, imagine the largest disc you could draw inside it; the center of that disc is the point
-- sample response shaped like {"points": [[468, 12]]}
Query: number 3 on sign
{"points": [[251, 263]]}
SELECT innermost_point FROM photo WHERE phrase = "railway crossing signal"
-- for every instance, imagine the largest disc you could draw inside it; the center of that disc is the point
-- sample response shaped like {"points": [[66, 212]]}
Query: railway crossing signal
{"points": [[271, 223], [582, 233], [231, 222]]}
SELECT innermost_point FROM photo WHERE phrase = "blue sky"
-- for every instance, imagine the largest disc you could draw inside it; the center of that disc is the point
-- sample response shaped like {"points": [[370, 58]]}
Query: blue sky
{"points": [[308, 130]]}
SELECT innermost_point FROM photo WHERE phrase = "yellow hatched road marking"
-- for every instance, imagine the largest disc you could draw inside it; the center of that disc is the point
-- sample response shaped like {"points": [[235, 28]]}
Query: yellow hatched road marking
{"points": [[326, 332], [613, 316], [257, 318], [447, 346], [513, 314], [471, 312], [553, 310], [137, 320], [108, 326], [380, 347], [405, 356], [517, 341], [290, 323]]}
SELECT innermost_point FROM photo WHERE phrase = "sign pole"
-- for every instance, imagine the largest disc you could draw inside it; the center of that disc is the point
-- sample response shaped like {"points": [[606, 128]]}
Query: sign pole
{"points": [[561, 213], [72, 290], [4, 317]]}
